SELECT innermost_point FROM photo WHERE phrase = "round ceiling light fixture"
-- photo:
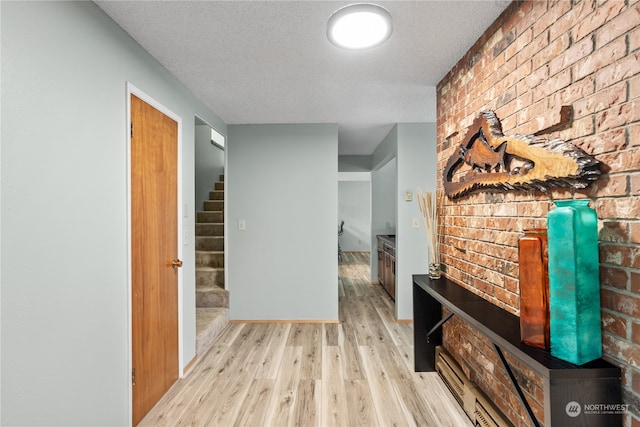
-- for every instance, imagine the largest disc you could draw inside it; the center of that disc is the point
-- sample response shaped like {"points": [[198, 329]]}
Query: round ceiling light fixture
{"points": [[359, 26]]}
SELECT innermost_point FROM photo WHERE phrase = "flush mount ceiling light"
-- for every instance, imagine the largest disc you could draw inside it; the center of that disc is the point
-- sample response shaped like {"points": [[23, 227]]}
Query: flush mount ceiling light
{"points": [[359, 26]]}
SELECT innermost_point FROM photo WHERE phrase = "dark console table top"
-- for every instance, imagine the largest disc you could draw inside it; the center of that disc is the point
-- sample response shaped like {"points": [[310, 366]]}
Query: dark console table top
{"points": [[503, 329]]}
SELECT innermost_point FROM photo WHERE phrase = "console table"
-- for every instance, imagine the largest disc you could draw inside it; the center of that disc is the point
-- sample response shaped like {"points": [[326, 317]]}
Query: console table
{"points": [[585, 395]]}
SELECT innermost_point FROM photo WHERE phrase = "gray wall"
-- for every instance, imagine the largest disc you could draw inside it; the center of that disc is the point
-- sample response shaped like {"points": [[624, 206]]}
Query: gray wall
{"points": [[354, 208], [209, 164], [416, 159], [282, 180], [354, 164], [403, 162], [383, 204], [383, 194], [64, 309]]}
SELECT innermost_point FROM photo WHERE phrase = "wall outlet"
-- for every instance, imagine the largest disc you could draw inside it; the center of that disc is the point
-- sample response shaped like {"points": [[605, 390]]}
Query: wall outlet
{"points": [[408, 196]]}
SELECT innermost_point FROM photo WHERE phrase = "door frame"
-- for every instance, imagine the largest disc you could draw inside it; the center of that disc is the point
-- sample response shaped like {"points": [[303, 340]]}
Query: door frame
{"points": [[133, 90]]}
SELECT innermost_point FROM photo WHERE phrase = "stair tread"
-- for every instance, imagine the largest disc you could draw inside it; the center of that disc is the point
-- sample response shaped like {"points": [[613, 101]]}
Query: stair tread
{"points": [[209, 288], [210, 322], [205, 268]]}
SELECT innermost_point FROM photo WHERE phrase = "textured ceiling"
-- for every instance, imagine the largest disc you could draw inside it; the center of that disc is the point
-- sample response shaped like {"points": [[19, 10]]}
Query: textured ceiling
{"points": [[271, 62]]}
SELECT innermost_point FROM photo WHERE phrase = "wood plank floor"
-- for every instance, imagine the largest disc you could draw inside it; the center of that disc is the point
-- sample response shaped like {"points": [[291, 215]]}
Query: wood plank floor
{"points": [[358, 372]]}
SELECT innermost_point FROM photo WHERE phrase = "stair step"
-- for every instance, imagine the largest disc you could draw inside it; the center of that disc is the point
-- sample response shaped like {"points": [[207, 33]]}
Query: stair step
{"points": [[212, 297], [210, 322], [211, 259], [209, 276], [210, 229], [218, 185], [209, 216], [221, 177], [216, 195], [214, 205], [209, 243]]}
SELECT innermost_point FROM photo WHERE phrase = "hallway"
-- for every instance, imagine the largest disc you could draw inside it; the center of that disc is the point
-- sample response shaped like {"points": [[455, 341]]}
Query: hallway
{"points": [[358, 372]]}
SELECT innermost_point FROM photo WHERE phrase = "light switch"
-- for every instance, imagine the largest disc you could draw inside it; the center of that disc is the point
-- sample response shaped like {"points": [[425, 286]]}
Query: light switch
{"points": [[415, 223], [242, 225]]}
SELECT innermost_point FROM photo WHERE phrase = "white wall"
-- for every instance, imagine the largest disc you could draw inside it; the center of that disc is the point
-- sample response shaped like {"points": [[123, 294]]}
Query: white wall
{"points": [[64, 308], [354, 208], [416, 170], [282, 180], [209, 164]]}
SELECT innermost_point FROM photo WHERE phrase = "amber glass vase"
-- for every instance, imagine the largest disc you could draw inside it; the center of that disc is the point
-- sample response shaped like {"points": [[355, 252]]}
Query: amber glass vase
{"points": [[534, 288]]}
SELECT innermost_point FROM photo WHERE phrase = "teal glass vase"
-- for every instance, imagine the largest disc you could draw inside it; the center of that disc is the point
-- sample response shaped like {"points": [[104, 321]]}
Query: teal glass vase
{"points": [[574, 282]]}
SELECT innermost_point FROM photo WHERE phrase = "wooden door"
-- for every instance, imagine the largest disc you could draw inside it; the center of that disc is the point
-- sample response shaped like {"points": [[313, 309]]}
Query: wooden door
{"points": [[154, 250]]}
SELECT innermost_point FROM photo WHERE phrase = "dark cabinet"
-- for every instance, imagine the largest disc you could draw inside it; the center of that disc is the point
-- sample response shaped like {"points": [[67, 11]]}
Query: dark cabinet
{"points": [[387, 264]]}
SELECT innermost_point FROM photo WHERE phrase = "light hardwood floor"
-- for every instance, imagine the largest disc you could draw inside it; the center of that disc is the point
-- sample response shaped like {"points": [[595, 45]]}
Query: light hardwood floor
{"points": [[358, 372]]}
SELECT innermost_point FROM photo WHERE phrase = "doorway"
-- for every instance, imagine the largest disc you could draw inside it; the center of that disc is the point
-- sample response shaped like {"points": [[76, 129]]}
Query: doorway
{"points": [[154, 253]]}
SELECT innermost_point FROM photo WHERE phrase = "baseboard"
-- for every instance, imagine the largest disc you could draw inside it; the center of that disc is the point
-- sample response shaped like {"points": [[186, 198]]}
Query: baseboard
{"points": [[285, 321], [404, 320], [188, 366]]}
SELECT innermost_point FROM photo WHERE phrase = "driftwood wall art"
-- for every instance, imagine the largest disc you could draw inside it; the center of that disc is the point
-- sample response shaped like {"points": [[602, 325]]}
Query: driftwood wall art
{"points": [[488, 160]]}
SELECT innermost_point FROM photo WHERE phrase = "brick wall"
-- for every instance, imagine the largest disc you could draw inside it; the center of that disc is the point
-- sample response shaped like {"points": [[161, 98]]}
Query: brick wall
{"points": [[535, 58]]}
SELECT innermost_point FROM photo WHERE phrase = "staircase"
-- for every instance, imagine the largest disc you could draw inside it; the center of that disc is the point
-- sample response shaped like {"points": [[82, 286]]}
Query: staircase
{"points": [[212, 300]]}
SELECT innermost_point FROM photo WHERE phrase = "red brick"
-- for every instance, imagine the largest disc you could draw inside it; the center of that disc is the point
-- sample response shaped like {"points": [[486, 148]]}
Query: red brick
{"points": [[520, 43], [635, 332], [613, 277], [621, 350], [600, 58], [607, 98], [634, 279], [617, 325], [619, 25], [557, 50], [580, 128], [618, 207], [634, 232], [618, 115], [635, 380], [528, 52], [555, 83], [613, 72], [634, 182], [626, 304], [634, 39], [578, 90], [587, 24], [614, 231], [622, 161], [609, 186], [560, 19], [527, 13], [612, 254], [634, 87], [604, 142], [603, 90]]}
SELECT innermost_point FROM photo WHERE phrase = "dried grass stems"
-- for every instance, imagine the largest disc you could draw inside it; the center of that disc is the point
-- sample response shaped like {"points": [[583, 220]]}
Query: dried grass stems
{"points": [[428, 203]]}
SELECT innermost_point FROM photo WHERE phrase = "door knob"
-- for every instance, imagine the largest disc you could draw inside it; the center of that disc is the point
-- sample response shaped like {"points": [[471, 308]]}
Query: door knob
{"points": [[176, 263]]}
